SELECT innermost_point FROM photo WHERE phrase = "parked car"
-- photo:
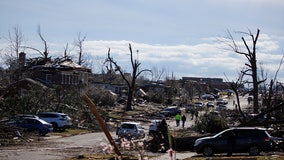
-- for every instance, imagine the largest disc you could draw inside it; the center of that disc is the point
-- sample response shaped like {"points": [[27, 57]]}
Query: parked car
{"points": [[18, 116], [209, 97], [210, 104], [36, 125], [221, 107], [215, 95], [58, 120], [198, 105], [222, 101], [165, 114], [154, 126], [247, 140], [24, 116], [173, 110], [130, 129], [189, 107]]}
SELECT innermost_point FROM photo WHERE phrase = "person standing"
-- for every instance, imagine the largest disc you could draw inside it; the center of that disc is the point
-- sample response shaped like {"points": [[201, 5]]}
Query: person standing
{"points": [[177, 117], [183, 119]]}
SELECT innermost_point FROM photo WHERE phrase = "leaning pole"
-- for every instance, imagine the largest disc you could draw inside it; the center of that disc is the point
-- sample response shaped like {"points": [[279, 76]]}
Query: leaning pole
{"points": [[102, 124]]}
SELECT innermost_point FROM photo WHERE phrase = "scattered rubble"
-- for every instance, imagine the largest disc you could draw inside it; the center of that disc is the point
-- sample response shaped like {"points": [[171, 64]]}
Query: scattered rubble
{"points": [[9, 134]]}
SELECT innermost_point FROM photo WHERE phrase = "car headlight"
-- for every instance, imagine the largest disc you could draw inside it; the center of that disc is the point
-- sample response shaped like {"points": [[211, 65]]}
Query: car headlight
{"points": [[197, 142]]}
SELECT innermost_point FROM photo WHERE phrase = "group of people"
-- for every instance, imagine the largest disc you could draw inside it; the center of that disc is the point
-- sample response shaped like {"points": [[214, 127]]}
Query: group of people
{"points": [[179, 118]]}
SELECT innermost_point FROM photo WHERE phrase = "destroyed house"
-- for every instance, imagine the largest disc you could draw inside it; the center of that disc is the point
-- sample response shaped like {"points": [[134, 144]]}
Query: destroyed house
{"points": [[62, 72]]}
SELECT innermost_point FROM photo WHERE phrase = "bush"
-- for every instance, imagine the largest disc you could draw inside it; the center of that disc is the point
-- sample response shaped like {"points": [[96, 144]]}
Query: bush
{"points": [[211, 122]]}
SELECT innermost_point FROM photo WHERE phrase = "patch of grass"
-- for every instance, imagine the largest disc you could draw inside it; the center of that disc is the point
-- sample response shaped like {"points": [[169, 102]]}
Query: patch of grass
{"points": [[69, 132]]}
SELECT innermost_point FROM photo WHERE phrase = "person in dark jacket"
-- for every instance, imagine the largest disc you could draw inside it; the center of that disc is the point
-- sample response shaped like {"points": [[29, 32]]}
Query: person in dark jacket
{"points": [[183, 119]]}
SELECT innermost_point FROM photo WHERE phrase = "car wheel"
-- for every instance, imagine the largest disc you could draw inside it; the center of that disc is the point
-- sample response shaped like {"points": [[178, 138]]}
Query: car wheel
{"points": [[254, 151], [207, 151]]}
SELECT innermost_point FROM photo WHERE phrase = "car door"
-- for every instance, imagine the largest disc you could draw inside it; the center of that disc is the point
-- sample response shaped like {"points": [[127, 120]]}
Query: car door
{"points": [[243, 140], [20, 123], [31, 125], [26, 124], [221, 143]]}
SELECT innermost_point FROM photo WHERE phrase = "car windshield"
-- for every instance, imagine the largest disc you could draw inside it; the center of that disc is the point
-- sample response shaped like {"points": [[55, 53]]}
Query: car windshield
{"points": [[128, 126], [268, 134], [64, 116], [139, 126], [42, 121]]}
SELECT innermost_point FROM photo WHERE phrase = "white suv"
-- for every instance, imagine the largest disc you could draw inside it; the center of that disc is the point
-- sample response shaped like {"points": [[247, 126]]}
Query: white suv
{"points": [[58, 120], [130, 129]]}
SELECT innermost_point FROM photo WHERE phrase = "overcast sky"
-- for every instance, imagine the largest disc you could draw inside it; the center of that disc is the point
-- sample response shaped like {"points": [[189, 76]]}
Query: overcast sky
{"points": [[179, 36]]}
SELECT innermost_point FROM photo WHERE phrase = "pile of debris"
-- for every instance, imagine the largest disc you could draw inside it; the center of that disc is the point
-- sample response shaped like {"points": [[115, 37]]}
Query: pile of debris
{"points": [[9, 135]]}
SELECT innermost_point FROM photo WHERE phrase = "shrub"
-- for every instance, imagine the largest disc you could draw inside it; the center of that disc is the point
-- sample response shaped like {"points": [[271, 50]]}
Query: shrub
{"points": [[211, 122]]}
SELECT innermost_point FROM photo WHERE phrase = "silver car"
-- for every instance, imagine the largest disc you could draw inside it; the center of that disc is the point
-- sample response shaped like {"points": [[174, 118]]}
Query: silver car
{"points": [[130, 129]]}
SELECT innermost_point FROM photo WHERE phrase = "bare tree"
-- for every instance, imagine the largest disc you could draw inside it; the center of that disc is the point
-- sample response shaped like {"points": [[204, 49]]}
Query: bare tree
{"points": [[79, 43], [235, 86], [131, 83], [45, 52], [268, 89], [15, 40], [157, 73], [66, 52], [250, 54], [100, 62]]}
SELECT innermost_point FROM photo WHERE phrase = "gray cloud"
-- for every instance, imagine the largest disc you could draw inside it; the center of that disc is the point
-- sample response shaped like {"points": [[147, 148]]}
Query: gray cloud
{"points": [[205, 59]]}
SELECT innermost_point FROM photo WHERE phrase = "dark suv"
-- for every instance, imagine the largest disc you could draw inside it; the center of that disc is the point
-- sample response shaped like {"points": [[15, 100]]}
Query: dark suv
{"points": [[246, 140], [30, 124], [170, 111]]}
